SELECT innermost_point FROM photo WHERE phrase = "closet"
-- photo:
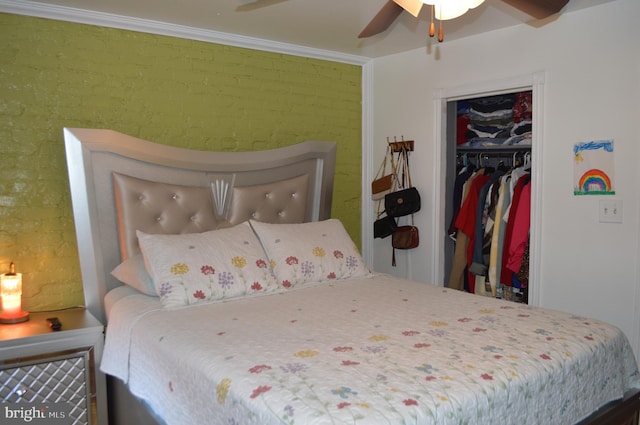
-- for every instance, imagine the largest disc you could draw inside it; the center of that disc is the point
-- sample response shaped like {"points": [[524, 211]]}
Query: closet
{"points": [[488, 195]]}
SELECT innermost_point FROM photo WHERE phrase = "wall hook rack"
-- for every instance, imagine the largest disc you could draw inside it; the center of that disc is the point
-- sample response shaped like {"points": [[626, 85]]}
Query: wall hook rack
{"points": [[402, 145]]}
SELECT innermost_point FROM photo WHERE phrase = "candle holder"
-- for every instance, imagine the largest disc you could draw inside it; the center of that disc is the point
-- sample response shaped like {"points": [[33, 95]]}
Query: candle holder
{"points": [[11, 294]]}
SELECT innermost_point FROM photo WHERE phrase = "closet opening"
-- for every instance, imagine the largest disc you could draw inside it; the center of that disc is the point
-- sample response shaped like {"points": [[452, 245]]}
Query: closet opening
{"points": [[488, 198], [493, 132]]}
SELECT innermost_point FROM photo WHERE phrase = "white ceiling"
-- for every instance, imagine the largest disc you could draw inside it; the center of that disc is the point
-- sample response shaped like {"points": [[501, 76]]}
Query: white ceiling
{"points": [[329, 25]]}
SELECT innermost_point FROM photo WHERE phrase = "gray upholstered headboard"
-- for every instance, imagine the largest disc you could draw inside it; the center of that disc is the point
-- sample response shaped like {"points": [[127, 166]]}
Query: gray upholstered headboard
{"points": [[121, 183]]}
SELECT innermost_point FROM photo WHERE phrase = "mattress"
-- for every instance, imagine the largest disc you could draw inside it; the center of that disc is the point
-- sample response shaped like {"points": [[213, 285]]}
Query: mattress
{"points": [[117, 294], [371, 350]]}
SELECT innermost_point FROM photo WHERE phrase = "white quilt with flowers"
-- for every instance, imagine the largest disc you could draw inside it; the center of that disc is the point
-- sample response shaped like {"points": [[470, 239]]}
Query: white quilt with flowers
{"points": [[375, 350]]}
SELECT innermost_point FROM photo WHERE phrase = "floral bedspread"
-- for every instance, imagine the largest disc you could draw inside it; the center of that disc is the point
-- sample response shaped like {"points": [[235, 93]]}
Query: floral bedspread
{"points": [[377, 350]]}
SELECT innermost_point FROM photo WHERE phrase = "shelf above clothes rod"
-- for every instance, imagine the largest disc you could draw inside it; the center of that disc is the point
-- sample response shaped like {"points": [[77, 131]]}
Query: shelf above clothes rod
{"points": [[493, 149], [515, 154]]}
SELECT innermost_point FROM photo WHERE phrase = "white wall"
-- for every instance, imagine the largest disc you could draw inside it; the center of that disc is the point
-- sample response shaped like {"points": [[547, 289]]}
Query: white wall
{"points": [[590, 60]]}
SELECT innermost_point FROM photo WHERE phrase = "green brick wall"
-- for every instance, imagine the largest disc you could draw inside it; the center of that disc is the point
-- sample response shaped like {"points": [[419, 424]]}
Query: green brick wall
{"points": [[173, 91]]}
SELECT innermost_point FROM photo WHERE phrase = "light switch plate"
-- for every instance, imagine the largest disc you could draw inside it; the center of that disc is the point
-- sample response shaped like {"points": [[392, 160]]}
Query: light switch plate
{"points": [[610, 211]]}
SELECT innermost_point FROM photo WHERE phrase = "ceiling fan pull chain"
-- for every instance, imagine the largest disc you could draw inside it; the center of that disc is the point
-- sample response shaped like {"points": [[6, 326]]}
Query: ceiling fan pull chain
{"points": [[432, 26], [440, 32]]}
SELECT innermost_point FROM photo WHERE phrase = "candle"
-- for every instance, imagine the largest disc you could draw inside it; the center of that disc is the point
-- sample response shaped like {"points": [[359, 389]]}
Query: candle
{"points": [[11, 294]]}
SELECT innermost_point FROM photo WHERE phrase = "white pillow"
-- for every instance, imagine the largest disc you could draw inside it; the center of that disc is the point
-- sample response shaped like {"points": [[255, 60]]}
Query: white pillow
{"points": [[133, 273], [203, 267], [310, 252]]}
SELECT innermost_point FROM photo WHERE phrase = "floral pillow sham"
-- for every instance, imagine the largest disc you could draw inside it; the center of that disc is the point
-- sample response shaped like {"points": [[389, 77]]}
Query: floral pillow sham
{"points": [[310, 252], [197, 268]]}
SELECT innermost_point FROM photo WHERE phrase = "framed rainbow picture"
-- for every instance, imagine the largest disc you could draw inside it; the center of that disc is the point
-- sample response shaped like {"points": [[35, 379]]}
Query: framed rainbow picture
{"points": [[593, 168]]}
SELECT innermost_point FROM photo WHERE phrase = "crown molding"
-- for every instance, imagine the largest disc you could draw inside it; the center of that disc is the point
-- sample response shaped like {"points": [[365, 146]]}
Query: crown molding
{"points": [[83, 16]]}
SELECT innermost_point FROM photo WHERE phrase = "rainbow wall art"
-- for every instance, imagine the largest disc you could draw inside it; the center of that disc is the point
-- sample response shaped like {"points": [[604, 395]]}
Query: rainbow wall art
{"points": [[593, 168]]}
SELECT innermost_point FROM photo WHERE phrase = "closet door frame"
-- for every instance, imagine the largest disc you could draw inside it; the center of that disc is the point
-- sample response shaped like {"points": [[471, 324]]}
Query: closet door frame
{"points": [[535, 83]]}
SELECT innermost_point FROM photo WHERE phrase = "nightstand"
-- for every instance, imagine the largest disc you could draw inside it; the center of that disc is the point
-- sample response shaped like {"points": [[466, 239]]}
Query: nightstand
{"points": [[53, 373]]}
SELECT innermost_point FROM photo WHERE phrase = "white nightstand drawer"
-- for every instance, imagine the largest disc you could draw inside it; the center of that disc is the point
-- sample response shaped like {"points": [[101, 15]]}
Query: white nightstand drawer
{"points": [[60, 378], [54, 370]]}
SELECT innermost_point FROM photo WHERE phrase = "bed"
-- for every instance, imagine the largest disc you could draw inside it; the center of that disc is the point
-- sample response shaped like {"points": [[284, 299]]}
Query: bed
{"points": [[239, 300]]}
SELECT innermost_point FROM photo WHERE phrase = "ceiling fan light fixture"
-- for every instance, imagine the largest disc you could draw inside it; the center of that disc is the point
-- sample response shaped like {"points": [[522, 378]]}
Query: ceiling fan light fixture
{"points": [[451, 9], [447, 9]]}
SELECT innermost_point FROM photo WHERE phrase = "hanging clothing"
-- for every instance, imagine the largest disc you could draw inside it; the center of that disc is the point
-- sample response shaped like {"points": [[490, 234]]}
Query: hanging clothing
{"points": [[499, 230], [466, 222], [506, 274], [521, 225], [478, 266], [458, 190], [490, 229], [457, 276]]}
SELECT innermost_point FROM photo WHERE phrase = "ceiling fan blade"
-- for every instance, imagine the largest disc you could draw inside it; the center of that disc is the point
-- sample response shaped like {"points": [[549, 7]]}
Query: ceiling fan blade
{"points": [[411, 6], [383, 19], [539, 9], [257, 4]]}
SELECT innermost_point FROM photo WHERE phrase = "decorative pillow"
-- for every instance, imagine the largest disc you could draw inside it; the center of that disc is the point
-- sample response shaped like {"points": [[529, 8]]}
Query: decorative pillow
{"points": [[132, 272], [310, 252], [203, 267]]}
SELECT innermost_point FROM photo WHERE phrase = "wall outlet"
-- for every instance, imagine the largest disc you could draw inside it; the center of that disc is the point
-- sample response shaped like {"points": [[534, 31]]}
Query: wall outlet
{"points": [[610, 211]]}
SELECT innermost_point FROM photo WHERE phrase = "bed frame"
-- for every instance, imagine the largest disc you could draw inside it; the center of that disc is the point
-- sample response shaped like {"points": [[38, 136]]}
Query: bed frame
{"points": [[290, 184], [164, 189], [120, 183]]}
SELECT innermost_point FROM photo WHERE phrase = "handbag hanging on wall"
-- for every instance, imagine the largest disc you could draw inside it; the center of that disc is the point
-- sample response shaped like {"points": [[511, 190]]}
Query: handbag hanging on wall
{"points": [[403, 202], [406, 199], [404, 237], [384, 183], [385, 225]]}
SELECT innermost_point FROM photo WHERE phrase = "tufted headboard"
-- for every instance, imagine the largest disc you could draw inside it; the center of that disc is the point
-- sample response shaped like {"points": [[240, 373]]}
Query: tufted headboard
{"points": [[120, 184]]}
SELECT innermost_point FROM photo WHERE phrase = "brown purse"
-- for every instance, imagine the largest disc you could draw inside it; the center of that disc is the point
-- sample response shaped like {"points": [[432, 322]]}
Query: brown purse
{"points": [[384, 183], [381, 187], [405, 237]]}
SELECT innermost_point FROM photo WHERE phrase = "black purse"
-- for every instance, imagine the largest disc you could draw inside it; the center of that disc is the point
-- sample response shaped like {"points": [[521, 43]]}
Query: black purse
{"points": [[384, 227], [402, 202]]}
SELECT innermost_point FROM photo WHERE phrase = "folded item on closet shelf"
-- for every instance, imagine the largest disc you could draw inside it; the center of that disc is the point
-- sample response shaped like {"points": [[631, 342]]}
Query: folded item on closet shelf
{"points": [[493, 131], [479, 142], [521, 140], [477, 116], [499, 121], [522, 127], [490, 142], [522, 108], [493, 103]]}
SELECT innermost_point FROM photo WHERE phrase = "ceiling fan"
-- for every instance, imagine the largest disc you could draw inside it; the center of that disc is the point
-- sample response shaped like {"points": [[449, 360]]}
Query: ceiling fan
{"points": [[392, 9], [539, 9]]}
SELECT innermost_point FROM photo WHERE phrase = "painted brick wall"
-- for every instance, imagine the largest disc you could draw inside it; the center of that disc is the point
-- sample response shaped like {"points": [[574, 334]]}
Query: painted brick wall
{"points": [[173, 91]]}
